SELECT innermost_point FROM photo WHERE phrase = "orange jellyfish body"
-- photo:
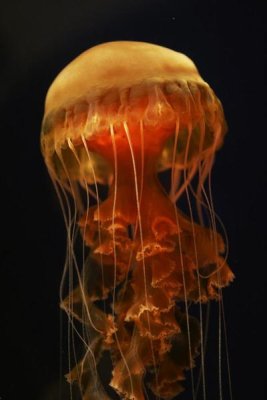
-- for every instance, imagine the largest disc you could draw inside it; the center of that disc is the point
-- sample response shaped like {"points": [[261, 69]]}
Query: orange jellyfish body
{"points": [[115, 117]]}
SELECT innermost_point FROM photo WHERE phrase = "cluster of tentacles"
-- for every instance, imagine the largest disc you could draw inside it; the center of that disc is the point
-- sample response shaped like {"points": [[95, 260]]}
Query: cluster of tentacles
{"points": [[144, 278]]}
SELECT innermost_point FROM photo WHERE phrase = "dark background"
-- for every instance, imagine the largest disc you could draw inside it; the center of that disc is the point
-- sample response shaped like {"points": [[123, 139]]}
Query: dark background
{"points": [[37, 40]]}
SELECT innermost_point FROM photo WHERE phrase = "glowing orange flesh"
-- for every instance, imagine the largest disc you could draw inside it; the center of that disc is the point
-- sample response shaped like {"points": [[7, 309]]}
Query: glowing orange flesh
{"points": [[137, 106]]}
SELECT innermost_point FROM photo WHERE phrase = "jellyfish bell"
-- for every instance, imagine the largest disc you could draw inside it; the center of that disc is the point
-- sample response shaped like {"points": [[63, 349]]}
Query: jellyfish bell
{"points": [[117, 115], [119, 82]]}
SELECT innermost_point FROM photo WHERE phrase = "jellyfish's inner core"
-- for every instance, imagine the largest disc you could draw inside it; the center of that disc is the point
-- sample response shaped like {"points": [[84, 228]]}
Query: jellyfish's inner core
{"points": [[142, 257]]}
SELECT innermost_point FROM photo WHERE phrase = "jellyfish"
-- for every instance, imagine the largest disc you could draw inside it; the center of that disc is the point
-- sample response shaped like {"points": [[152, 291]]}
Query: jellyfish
{"points": [[129, 137]]}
